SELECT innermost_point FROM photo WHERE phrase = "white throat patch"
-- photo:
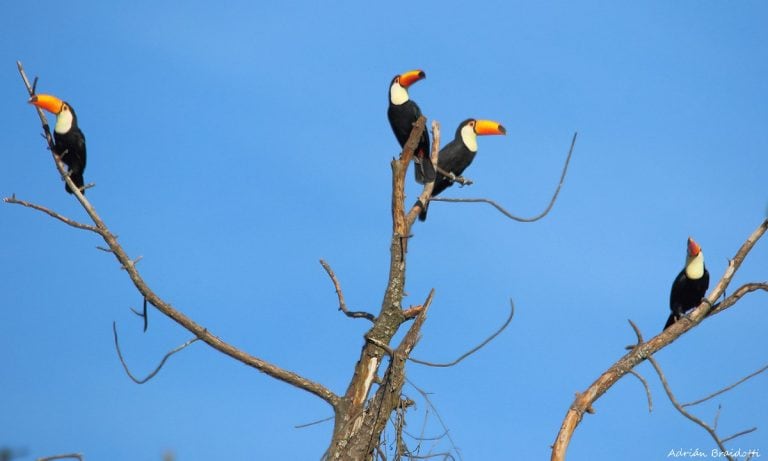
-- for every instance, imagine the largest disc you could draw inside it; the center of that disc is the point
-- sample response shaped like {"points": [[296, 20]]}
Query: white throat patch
{"points": [[694, 267], [469, 137], [63, 121], [397, 94]]}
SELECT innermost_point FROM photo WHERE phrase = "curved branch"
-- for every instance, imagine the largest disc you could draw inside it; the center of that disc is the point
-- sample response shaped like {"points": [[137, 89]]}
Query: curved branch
{"points": [[642, 351], [187, 323], [682, 411], [647, 389], [157, 369], [474, 349], [507, 213], [342, 304]]}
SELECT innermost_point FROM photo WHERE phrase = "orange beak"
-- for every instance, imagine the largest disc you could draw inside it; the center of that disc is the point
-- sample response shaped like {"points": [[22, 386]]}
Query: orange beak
{"points": [[412, 76], [45, 101], [693, 247], [486, 127]]}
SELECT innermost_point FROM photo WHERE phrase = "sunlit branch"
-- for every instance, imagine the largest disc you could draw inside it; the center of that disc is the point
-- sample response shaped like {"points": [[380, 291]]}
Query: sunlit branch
{"points": [[180, 318], [70, 222], [426, 192], [643, 350], [504, 210]]}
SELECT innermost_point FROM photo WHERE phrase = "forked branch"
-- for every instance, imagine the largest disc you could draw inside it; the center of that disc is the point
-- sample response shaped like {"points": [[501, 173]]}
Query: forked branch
{"points": [[710, 430], [644, 350]]}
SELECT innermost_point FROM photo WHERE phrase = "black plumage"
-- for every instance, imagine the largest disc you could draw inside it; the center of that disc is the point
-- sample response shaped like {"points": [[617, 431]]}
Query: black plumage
{"points": [[70, 145], [402, 115], [456, 156], [687, 291], [69, 141]]}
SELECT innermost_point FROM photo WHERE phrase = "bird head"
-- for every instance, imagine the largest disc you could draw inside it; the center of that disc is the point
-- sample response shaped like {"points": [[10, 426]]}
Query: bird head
{"points": [[65, 116], [398, 89], [470, 128]]}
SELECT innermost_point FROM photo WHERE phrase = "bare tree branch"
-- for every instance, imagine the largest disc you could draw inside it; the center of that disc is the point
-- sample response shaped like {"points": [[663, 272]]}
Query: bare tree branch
{"points": [[425, 395], [71, 455], [691, 417], [725, 389], [607, 379], [474, 349], [302, 426], [13, 200], [157, 369], [200, 332], [739, 434], [507, 213], [342, 304], [426, 193], [647, 389]]}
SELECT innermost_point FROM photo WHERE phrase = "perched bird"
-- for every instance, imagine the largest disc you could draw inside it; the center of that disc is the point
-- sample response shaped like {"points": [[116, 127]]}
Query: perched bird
{"points": [[69, 140], [402, 114], [458, 154], [690, 286]]}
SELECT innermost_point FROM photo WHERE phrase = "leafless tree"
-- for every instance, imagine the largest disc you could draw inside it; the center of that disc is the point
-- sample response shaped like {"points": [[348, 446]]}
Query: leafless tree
{"points": [[374, 397]]}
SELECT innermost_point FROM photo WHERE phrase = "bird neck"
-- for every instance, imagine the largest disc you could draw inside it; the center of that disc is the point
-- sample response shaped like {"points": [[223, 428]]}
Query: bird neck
{"points": [[694, 267], [469, 138], [397, 94], [63, 122]]}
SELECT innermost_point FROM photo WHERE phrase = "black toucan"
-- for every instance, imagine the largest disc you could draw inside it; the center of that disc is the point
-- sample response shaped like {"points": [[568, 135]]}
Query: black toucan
{"points": [[70, 141], [402, 114], [458, 154], [690, 286]]}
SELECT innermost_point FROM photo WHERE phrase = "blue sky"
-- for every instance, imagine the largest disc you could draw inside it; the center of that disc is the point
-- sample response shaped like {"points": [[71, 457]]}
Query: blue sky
{"points": [[234, 145]]}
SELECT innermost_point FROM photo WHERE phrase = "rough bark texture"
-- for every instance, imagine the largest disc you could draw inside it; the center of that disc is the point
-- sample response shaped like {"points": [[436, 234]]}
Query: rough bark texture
{"points": [[360, 421]]}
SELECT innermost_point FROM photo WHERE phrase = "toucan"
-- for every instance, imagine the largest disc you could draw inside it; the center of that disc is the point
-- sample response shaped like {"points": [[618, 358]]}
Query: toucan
{"points": [[690, 286], [69, 140], [458, 154], [402, 114]]}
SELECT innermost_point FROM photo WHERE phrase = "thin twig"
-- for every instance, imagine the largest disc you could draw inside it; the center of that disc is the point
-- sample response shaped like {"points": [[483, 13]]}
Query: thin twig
{"points": [[302, 426], [725, 389], [647, 389], [453, 178], [507, 213], [739, 434], [342, 304], [682, 411], [425, 395], [12, 199], [71, 455], [156, 370], [142, 314], [474, 349], [180, 318]]}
